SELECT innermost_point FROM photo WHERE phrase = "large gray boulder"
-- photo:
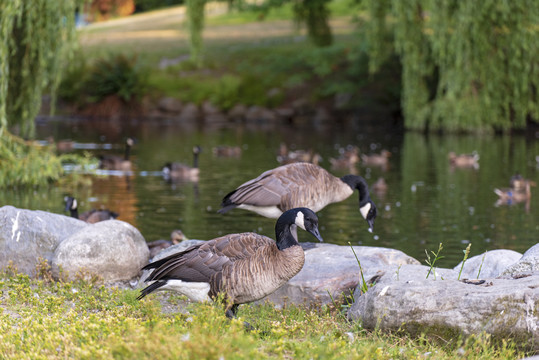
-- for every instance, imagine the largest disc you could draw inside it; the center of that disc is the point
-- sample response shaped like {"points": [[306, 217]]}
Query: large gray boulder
{"points": [[182, 246], [501, 307], [28, 235], [527, 263], [488, 265], [331, 271], [111, 250]]}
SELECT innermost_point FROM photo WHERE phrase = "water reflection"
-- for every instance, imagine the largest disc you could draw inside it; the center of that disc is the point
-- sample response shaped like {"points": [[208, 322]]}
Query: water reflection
{"points": [[422, 201]]}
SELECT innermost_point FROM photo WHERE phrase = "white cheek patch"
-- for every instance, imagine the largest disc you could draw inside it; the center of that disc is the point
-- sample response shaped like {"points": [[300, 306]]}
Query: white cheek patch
{"points": [[300, 220], [74, 204], [365, 210]]}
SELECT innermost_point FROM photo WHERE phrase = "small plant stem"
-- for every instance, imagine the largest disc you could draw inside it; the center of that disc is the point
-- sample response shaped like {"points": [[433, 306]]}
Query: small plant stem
{"points": [[436, 258], [466, 253], [364, 286], [481, 266]]}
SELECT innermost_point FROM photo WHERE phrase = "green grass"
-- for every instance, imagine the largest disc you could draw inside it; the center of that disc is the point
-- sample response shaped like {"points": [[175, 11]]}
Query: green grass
{"points": [[43, 319], [244, 57], [338, 8]]}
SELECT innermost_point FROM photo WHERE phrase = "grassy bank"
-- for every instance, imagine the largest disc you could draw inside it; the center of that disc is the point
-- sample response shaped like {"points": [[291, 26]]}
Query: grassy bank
{"points": [[246, 60], [42, 319]]}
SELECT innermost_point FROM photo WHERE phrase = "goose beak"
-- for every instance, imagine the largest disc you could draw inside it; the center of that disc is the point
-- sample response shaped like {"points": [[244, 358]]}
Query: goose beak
{"points": [[371, 224], [316, 234]]}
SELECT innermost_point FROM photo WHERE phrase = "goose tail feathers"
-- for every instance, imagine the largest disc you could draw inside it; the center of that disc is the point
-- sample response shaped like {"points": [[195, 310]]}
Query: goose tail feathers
{"points": [[227, 204], [151, 288]]}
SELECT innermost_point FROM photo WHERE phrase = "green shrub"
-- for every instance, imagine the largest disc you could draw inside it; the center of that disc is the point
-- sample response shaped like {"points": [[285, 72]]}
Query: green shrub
{"points": [[74, 79], [117, 75], [23, 163]]}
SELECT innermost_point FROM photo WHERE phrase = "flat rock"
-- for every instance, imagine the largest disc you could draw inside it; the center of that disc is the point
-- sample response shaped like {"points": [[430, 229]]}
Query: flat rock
{"points": [[28, 235], [111, 250], [501, 307], [259, 114], [170, 105], [237, 112], [410, 273], [331, 271], [189, 112]]}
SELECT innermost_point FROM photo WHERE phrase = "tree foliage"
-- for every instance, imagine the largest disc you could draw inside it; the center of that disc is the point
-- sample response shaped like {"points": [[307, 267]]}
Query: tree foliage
{"points": [[467, 65], [195, 22], [314, 14], [35, 42]]}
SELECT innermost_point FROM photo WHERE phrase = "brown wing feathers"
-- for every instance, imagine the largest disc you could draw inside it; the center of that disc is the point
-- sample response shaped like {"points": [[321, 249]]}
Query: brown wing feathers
{"points": [[201, 262], [268, 188], [288, 186]]}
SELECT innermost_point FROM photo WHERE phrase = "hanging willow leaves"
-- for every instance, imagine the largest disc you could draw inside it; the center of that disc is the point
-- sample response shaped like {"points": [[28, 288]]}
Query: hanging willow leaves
{"points": [[36, 41], [467, 65], [23, 163]]}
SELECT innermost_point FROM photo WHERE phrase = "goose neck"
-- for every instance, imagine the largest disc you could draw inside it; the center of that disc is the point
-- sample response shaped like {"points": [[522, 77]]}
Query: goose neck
{"points": [[357, 182], [286, 235], [195, 160], [127, 151]]}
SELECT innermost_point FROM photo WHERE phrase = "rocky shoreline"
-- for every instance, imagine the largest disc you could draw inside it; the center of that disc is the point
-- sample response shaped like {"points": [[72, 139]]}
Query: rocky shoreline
{"points": [[496, 292]]}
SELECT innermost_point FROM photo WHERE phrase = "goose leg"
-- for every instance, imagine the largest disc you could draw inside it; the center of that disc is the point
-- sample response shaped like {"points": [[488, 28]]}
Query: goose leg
{"points": [[231, 311]]}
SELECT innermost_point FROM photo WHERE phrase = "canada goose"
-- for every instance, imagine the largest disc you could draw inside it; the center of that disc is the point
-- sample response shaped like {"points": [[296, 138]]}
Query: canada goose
{"points": [[115, 162], [295, 185], [381, 159], [464, 160], [227, 151], [177, 171], [91, 216], [176, 237], [244, 267]]}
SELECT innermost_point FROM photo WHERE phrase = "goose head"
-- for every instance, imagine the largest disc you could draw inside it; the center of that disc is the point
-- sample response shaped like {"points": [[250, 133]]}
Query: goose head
{"points": [[290, 220], [71, 203], [366, 205], [369, 212], [167, 169]]}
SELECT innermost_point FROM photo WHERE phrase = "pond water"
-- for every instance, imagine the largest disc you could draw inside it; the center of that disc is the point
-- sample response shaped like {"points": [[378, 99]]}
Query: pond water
{"points": [[427, 201]]}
